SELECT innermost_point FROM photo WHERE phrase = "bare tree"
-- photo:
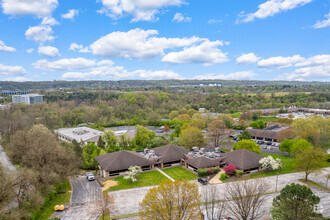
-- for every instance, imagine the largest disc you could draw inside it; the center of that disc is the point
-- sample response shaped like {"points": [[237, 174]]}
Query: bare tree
{"points": [[105, 205], [217, 131], [244, 198], [214, 205]]}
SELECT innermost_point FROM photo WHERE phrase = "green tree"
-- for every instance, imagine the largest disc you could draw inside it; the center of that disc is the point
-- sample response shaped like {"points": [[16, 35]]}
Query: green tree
{"points": [[255, 116], [295, 202], [100, 143], [110, 139], [143, 136], [245, 135], [286, 145], [90, 151], [191, 137], [173, 114], [178, 200], [300, 145], [260, 124], [310, 160], [248, 145]]}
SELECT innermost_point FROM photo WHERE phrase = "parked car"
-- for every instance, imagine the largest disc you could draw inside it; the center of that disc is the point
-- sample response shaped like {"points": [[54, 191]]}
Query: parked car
{"points": [[269, 143], [90, 176], [202, 181], [260, 142]]}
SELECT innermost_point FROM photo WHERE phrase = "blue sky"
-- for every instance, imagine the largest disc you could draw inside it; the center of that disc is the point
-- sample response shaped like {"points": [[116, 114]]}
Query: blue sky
{"points": [[164, 39]]}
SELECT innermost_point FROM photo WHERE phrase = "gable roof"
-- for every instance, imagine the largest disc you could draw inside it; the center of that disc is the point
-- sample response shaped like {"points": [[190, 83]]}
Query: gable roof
{"points": [[202, 162], [266, 133], [170, 153], [122, 160], [243, 159]]}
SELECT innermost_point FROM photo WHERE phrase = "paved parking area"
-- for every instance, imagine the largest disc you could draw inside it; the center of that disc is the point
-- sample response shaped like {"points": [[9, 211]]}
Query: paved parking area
{"points": [[5, 161], [127, 201], [85, 200]]}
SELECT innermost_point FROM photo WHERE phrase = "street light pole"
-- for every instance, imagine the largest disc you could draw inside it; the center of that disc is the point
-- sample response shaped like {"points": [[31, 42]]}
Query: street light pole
{"points": [[276, 181]]}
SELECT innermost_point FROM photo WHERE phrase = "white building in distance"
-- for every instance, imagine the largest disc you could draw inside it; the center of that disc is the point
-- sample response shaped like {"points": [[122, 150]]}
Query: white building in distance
{"points": [[80, 134], [28, 98]]}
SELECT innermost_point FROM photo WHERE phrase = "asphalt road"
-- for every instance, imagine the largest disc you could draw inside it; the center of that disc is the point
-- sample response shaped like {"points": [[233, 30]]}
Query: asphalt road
{"points": [[7, 165], [127, 201], [85, 200]]}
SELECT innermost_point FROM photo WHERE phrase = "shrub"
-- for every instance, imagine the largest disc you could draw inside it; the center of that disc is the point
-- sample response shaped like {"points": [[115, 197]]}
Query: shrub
{"points": [[207, 171], [239, 173], [230, 169], [223, 176]]}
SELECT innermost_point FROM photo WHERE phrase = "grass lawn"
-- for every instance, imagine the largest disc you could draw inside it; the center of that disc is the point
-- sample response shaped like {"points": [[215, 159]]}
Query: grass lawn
{"points": [[310, 183], [47, 209], [269, 118], [145, 179], [236, 114], [180, 173], [288, 166]]}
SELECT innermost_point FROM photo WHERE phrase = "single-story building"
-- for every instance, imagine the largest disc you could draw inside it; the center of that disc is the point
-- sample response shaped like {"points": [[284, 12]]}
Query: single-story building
{"points": [[170, 155], [271, 133], [117, 163], [200, 163], [243, 160], [80, 134]]}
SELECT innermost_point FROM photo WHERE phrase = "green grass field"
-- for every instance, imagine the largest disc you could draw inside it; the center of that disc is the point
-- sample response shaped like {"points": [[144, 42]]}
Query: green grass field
{"points": [[57, 199], [236, 114], [145, 179], [269, 118], [180, 173], [287, 167]]}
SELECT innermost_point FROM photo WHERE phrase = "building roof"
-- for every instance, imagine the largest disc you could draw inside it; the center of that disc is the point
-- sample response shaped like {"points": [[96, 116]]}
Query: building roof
{"points": [[85, 134], [243, 159], [170, 152], [270, 132], [202, 162], [122, 160]]}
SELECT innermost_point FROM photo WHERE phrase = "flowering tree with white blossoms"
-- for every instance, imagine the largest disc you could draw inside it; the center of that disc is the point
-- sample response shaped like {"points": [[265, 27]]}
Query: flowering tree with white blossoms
{"points": [[132, 173], [269, 163]]}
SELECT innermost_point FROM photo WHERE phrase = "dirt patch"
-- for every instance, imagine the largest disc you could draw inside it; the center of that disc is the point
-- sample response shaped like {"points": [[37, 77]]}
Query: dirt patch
{"points": [[109, 183]]}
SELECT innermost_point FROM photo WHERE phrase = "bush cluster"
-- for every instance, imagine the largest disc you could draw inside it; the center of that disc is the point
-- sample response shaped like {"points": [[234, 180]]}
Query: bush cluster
{"points": [[223, 176], [207, 171]]}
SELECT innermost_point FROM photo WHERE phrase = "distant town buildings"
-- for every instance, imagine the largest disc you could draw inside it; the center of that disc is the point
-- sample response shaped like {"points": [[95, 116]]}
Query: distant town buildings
{"points": [[9, 92], [28, 98]]}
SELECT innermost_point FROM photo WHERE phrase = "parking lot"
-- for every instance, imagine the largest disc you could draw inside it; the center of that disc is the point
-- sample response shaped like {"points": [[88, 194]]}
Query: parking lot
{"points": [[85, 200]]}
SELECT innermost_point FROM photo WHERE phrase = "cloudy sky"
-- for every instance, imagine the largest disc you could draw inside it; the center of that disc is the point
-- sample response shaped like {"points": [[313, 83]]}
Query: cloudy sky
{"points": [[164, 39]]}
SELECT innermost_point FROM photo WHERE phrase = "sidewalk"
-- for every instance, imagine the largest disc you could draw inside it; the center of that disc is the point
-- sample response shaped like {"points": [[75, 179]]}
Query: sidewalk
{"points": [[165, 174], [216, 178]]}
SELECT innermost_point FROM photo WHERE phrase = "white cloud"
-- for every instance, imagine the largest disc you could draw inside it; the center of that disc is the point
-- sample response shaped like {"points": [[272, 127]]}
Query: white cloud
{"points": [[5, 48], [39, 8], [39, 33], [324, 23], [311, 73], [71, 13], [137, 43], [49, 51], [30, 50], [231, 76], [178, 17], [105, 69], [140, 10], [207, 53], [272, 7], [214, 21], [247, 58], [315, 60], [49, 21], [17, 79], [11, 70], [280, 62], [64, 64], [74, 46]]}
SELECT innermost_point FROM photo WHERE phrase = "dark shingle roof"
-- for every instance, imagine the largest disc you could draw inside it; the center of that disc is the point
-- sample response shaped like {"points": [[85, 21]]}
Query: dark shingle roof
{"points": [[122, 160], [264, 133], [202, 162], [243, 159], [170, 153]]}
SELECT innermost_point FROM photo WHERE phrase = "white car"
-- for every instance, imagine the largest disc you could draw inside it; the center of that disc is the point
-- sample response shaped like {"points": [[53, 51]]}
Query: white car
{"points": [[90, 176]]}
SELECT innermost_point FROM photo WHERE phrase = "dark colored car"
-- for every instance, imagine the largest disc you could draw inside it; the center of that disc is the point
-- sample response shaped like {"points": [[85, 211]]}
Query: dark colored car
{"points": [[269, 143], [202, 181]]}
